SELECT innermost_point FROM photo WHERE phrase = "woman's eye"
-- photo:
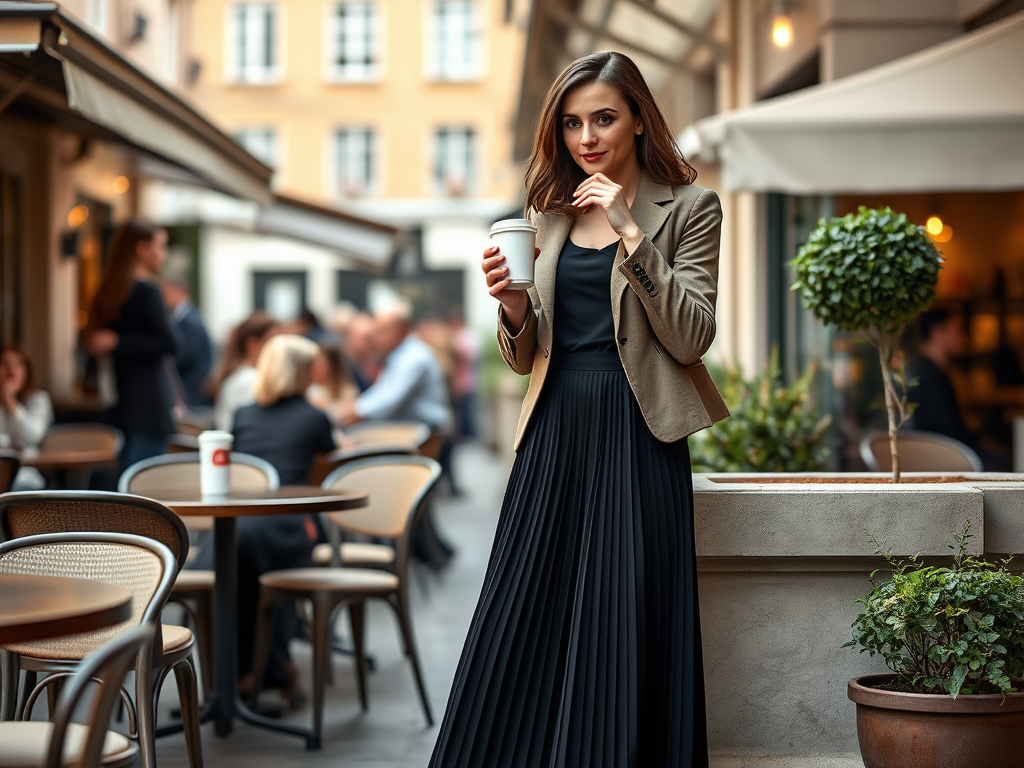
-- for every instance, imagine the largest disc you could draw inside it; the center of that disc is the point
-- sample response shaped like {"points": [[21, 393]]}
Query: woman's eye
{"points": [[604, 120], [572, 124]]}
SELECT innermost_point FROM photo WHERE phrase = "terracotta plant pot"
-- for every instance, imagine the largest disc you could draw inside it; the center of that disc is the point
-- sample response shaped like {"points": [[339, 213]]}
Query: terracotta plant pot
{"points": [[914, 730]]}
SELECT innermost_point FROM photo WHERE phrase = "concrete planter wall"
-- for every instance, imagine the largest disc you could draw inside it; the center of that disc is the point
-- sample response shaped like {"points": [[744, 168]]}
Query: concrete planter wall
{"points": [[781, 564]]}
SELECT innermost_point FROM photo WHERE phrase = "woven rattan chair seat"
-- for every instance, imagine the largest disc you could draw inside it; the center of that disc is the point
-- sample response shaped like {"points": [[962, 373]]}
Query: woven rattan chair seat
{"points": [[356, 554], [192, 580], [175, 637], [331, 579], [24, 745]]}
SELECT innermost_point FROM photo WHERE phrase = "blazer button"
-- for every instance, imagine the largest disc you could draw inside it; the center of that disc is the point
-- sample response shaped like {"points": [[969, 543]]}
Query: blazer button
{"points": [[545, 351], [622, 340], [637, 268]]}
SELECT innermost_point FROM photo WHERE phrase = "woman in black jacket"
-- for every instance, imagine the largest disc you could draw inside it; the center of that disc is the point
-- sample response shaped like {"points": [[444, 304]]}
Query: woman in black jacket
{"points": [[128, 322]]}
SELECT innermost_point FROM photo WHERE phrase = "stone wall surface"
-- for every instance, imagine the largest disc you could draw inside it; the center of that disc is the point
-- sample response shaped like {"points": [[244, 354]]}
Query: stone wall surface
{"points": [[781, 566]]}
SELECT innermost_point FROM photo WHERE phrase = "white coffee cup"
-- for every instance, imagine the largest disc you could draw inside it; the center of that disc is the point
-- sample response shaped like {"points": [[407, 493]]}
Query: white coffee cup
{"points": [[516, 240], [215, 463]]}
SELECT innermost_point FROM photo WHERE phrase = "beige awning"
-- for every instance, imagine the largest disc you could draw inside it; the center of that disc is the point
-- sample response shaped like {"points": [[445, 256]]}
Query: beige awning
{"points": [[948, 118], [54, 70]]}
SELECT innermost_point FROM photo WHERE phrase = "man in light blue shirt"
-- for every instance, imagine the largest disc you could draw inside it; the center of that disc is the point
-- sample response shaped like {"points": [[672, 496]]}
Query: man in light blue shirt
{"points": [[411, 384]]}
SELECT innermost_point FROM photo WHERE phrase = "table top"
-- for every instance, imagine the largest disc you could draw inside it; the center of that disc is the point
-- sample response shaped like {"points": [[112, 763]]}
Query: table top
{"points": [[68, 459], [288, 500], [43, 607]]}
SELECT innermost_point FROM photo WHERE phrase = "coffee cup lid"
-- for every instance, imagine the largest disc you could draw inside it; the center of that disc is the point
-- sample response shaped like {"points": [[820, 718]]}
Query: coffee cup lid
{"points": [[513, 225]]}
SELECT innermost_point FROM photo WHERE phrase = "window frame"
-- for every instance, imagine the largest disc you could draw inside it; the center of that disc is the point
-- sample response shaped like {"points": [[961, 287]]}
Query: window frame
{"points": [[441, 182], [372, 152], [433, 67], [237, 73], [333, 72]]}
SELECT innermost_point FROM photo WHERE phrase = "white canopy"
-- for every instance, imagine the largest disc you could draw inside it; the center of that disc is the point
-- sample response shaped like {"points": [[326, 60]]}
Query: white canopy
{"points": [[947, 118]]}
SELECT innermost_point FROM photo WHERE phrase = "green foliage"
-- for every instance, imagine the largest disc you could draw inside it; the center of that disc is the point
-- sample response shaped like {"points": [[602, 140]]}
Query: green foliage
{"points": [[946, 630], [772, 428], [870, 269]]}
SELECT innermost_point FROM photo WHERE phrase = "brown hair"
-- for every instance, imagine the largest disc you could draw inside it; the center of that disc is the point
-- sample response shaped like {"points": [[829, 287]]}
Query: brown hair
{"points": [[338, 371], [30, 376], [255, 326], [553, 175], [119, 277]]}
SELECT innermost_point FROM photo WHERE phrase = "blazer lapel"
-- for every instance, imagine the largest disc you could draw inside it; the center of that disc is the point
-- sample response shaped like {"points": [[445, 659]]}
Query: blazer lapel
{"points": [[650, 216], [552, 230]]}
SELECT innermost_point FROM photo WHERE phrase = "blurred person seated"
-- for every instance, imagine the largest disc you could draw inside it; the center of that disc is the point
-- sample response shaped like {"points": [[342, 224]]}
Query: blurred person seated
{"points": [[25, 413], [341, 320], [306, 324], [361, 347], [194, 358], [941, 337], [332, 386], [284, 429], [233, 386], [411, 385]]}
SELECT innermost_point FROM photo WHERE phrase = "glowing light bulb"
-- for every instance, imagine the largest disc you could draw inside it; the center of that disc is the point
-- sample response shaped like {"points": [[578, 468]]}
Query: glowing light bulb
{"points": [[77, 216], [121, 184], [782, 31], [934, 225]]}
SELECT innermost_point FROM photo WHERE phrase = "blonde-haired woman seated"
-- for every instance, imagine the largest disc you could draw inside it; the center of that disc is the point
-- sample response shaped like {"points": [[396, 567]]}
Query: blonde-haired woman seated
{"points": [[283, 428]]}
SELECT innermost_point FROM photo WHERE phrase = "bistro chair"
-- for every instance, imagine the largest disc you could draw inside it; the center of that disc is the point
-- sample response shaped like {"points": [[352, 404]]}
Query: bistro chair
{"points": [[193, 588], [919, 452], [146, 568], [9, 466], [397, 488], [371, 438], [61, 742], [79, 512]]}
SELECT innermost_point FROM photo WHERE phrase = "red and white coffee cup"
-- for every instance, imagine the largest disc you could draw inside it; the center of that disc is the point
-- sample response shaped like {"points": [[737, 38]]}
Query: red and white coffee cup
{"points": [[215, 463]]}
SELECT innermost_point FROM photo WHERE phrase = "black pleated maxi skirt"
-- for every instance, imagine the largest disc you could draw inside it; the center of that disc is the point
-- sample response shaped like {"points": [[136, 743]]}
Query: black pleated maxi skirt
{"points": [[585, 649]]}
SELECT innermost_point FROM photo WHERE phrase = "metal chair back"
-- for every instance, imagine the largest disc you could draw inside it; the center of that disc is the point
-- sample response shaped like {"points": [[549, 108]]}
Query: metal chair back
{"points": [[69, 438], [181, 470], [9, 466], [399, 436], [108, 667], [142, 565], [919, 452], [398, 487], [36, 512]]}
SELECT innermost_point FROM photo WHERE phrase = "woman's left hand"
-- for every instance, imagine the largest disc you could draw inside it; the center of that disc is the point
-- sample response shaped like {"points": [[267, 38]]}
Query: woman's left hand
{"points": [[602, 191]]}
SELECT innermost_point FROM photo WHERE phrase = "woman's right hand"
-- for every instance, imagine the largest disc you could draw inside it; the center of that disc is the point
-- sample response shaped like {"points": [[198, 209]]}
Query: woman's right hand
{"points": [[514, 302]]}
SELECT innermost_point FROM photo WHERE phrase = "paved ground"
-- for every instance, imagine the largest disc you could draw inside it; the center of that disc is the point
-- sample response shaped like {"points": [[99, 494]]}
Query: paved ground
{"points": [[393, 733]]}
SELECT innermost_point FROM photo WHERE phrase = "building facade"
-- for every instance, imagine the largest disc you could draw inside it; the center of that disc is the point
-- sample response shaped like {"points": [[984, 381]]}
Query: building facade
{"points": [[396, 110]]}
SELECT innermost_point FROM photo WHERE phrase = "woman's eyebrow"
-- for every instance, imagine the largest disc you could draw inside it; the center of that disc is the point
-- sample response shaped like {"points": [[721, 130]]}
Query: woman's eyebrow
{"points": [[595, 112]]}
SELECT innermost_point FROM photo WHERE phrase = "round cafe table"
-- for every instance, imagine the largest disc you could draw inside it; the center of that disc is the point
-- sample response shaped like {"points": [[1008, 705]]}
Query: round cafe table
{"points": [[226, 707], [43, 607]]}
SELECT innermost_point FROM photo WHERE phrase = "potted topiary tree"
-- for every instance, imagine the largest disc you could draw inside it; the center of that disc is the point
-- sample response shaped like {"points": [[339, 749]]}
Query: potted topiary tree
{"points": [[954, 640], [871, 272]]}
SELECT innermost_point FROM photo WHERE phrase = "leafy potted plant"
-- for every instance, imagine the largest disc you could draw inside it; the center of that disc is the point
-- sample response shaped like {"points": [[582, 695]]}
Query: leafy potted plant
{"points": [[954, 640], [871, 272], [773, 428]]}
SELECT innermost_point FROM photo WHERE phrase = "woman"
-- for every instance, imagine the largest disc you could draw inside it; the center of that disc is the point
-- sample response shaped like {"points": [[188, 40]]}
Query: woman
{"points": [[25, 413], [233, 386], [129, 322], [585, 650], [332, 386], [283, 428]]}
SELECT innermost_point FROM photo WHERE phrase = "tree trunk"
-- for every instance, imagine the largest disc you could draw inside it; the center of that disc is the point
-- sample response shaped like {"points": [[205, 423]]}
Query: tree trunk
{"points": [[891, 407]]}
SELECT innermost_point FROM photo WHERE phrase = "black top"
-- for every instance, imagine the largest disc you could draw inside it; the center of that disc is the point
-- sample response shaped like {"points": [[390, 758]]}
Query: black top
{"points": [[195, 355], [583, 300], [937, 409], [145, 339], [288, 434]]}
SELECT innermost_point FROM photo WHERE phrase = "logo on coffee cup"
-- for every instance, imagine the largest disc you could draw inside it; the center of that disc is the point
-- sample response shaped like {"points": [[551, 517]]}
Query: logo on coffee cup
{"points": [[221, 458]]}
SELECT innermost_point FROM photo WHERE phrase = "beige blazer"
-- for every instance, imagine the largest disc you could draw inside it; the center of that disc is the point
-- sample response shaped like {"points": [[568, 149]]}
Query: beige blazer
{"points": [[663, 303]]}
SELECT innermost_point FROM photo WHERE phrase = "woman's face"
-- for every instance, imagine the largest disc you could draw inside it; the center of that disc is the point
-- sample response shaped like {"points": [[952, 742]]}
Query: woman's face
{"points": [[13, 371], [599, 129], [153, 253], [321, 370]]}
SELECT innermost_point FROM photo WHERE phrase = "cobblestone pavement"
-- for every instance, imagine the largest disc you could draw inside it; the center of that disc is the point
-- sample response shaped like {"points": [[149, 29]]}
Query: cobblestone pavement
{"points": [[392, 734]]}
